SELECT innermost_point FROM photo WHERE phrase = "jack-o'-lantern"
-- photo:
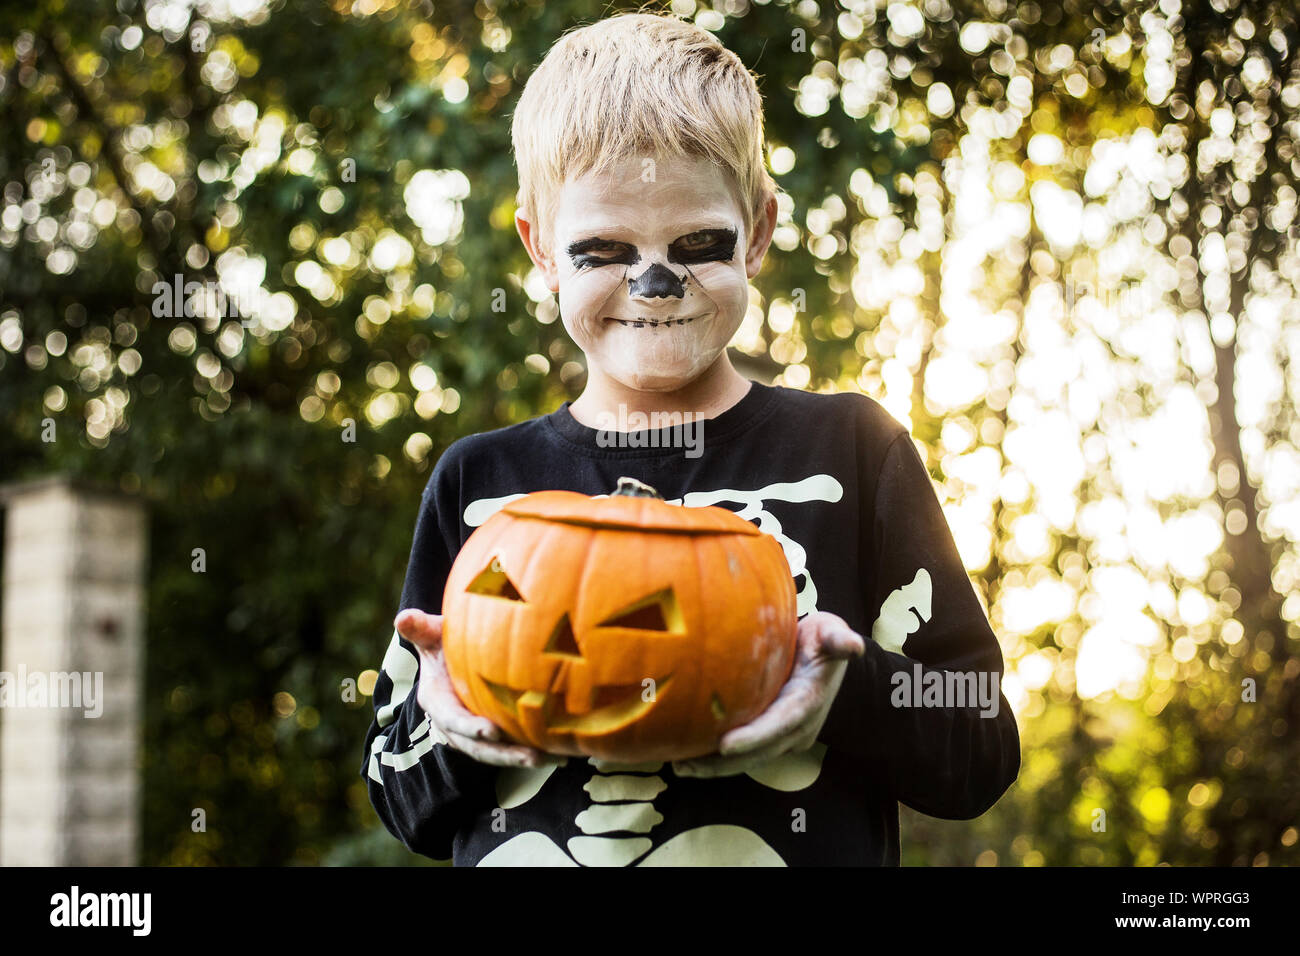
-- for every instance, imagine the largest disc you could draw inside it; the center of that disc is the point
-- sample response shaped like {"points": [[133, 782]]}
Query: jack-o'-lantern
{"points": [[619, 627]]}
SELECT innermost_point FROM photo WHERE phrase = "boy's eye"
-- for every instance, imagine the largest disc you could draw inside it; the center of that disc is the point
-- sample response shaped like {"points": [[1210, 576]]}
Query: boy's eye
{"points": [[601, 252], [707, 245], [696, 240]]}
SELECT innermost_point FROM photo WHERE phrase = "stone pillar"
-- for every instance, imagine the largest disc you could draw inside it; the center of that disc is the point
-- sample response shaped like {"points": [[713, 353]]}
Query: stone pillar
{"points": [[71, 674]]}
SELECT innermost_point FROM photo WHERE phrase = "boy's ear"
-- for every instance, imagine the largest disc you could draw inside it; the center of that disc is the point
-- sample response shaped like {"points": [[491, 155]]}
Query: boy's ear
{"points": [[529, 234], [764, 227]]}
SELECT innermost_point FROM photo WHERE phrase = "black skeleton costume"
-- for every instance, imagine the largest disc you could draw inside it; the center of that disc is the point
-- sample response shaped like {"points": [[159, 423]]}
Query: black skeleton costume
{"points": [[839, 483]]}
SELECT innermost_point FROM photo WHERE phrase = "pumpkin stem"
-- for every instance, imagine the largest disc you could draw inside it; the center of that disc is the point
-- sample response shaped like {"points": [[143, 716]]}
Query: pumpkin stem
{"points": [[632, 488]]}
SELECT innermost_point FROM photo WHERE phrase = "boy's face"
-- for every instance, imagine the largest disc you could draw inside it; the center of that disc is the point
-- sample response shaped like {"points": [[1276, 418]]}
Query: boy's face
{"points": [[652, 277]]}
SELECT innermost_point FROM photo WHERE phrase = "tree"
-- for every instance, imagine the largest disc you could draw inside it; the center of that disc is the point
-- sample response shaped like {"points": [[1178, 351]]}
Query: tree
{"points": [[357, 300]]}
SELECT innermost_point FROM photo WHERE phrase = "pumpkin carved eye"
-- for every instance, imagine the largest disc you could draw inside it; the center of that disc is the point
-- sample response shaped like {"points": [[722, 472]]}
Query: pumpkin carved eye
{"points": [[494, 582], [655, 612]]}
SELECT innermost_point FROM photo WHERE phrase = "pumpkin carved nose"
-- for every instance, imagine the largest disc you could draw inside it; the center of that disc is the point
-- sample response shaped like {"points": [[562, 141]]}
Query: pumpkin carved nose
{"points": [[562, 642]]}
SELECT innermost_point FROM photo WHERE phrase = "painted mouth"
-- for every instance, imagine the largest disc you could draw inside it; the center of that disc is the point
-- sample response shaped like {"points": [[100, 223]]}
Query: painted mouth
{"points": [[643, 322]]}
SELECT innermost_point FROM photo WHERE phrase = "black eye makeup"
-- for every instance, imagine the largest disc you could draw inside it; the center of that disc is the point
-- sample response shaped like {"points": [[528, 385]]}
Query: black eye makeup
{"points": [[601, 252], [704, 245], [707, 245]]}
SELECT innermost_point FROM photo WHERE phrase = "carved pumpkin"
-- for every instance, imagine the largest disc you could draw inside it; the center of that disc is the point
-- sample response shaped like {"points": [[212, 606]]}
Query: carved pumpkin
{"points": [[618, 627]]}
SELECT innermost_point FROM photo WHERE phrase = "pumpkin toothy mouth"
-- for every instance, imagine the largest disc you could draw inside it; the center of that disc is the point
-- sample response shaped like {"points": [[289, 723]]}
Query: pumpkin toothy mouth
{"points": [[616, 706]]}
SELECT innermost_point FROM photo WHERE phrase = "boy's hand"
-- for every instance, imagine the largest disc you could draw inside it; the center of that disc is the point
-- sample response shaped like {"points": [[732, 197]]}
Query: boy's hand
{"points": [[473, 735], [792, 721]]}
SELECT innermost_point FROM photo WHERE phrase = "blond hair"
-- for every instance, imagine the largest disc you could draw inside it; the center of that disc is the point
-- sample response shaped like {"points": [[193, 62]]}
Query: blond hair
{"points": [[637, 84]]}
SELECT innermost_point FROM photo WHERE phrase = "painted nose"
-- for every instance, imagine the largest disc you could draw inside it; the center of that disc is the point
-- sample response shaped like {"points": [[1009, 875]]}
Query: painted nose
{"points": [[657, 282]]}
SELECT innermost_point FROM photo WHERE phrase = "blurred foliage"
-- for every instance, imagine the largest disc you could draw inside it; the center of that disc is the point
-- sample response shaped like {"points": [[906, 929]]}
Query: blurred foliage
{"points": [[347, 166]]}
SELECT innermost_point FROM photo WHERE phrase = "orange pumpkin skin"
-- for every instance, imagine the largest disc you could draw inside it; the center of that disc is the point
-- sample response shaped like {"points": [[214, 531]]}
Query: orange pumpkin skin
{"points": [[620, 627]]}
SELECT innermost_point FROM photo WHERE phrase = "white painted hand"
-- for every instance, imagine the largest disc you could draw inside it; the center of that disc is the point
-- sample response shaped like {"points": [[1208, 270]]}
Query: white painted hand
{"points": [[792, 721], [476, 736]]}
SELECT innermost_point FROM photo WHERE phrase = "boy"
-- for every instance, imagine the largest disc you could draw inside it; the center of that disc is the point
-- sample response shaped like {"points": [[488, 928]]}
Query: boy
{"points": [[645, 203]]}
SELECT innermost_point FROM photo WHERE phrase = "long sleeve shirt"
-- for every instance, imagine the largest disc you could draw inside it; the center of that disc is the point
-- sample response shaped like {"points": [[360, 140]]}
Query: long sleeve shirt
{"points": [[919, 718]]}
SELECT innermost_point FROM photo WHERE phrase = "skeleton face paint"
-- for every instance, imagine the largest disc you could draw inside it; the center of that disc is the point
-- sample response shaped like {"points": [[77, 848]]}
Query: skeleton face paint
{"points": [[652, 279]]}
